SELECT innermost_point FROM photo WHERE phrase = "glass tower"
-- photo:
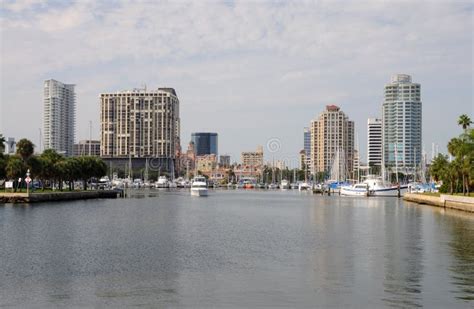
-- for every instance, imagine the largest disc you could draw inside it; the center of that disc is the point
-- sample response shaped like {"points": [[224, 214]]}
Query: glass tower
{"points": [[205, 143]]}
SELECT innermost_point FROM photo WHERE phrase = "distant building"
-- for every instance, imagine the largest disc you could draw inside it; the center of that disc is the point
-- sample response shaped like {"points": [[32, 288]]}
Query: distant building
{"points": [[402, 123], [139, 125], [87, 148], [253, 158], [332, 144], [10, 146], [59, 116], [307, 147], [224, 161], [303, 160], [374, 142], [206, 163], [205, 143]]}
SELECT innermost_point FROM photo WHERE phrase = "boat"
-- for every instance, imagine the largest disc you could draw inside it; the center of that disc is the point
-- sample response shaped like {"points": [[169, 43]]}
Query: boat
{"points": [[199, 186], [358, 189], [304, 186], [272, 186], [247, 183], [294, 185], [162, 182], [285, 184], [376, 187]]}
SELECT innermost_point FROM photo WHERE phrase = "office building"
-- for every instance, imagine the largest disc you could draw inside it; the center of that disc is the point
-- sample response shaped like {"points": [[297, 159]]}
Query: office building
{"points": [[138, 125], [205, 143], [224, 161], [402, 123], [374, 142], [332, 144], [87, 148], [59, 116]]}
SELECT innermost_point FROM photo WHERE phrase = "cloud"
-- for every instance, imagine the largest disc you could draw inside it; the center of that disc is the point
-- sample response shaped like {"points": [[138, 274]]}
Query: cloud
{"points": [[260, 64]]}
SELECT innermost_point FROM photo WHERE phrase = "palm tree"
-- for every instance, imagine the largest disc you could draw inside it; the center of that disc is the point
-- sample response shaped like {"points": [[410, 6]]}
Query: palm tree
{"points": [[24, 148], [464, 121]]}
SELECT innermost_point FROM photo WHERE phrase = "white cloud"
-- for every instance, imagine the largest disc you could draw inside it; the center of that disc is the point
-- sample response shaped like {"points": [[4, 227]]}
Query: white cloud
{"points": [[281, 61]]}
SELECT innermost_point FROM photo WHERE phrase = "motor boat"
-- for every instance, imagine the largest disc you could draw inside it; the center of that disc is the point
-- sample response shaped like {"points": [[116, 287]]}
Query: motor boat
{"points": [[304, 186], [285, 184], [162, 182], [247, 183], [272, 186], [199, 186], [358, 189], [376, 187]]}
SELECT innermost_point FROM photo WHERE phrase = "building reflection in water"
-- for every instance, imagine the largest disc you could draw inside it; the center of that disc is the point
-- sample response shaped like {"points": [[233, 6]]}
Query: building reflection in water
{"points": [[461, 229], [403, 257]]}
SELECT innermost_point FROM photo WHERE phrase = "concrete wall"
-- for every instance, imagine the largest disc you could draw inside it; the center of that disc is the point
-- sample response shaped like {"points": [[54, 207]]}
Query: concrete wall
{"points": [[463, 203]]}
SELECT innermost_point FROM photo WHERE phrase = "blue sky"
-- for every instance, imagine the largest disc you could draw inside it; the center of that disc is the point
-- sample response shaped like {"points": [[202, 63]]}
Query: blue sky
{"points": [[251, 71]]}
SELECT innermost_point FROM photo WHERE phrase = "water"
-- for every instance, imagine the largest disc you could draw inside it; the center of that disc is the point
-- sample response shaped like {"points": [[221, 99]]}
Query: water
{"points": [[236, 249]]}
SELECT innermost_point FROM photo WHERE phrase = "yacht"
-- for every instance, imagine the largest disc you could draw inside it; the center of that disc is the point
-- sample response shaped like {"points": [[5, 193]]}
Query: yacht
{"points": [[304, 186], [358, 189], [272, 186], [247, 183], [199, 186], [376, 187], [285, 184], [162, 182]]}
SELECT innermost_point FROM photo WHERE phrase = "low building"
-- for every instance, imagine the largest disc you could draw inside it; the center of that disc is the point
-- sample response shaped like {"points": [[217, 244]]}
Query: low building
{"points": [[206, 163], [86, 148], [224, 161]]}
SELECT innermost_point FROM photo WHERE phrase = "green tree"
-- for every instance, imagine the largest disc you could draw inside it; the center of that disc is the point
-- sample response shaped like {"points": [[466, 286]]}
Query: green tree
{"points": [[49, 159], [24, 148], [15, 168], [439, 167], [2, 144], [464, 121]]}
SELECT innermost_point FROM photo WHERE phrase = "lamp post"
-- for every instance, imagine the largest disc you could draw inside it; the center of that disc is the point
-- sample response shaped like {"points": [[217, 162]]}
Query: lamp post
{"points": [[27, 180]]}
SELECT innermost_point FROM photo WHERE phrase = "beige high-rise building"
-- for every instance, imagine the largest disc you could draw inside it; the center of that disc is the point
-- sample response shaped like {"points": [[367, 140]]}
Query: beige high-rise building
{"points": [[140, 124], [332, 144], [253, 158]]}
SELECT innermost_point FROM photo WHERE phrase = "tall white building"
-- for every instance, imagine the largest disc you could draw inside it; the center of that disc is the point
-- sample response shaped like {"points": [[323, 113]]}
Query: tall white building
{"points": [[59, 117], [374, 142], [401, 123]]}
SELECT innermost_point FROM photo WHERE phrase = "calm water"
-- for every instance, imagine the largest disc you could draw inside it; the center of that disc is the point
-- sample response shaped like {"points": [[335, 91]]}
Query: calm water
{"points": [[236, 249]]}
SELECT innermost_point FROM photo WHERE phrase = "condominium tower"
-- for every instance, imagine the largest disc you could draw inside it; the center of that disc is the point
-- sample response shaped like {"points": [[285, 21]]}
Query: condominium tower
{"points": [[141, 124], [374, 142], [252, 158], [332, 144], [59, 116], [401, 123]]}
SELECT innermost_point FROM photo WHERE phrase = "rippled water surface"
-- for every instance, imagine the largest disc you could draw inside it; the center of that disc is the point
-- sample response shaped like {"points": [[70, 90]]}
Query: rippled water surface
{"points": [[236, 249]]}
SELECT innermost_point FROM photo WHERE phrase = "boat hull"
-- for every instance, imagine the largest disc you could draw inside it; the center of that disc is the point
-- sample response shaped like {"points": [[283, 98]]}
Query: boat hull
{"points": [[199, 191]]}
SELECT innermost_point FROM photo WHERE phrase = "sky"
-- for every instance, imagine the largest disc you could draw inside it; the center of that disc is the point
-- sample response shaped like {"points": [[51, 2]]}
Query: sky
{"points": [[255, 72]]}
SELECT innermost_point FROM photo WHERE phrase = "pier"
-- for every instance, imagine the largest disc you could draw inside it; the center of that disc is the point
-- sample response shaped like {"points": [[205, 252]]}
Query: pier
{"points": [[57, 196]]}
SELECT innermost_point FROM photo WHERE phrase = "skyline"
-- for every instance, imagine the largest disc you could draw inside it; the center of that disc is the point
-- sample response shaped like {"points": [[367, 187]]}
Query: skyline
{"points": [[293, 59]]}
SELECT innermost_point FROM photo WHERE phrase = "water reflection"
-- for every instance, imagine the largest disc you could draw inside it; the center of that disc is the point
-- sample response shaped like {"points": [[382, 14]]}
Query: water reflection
{"points": [[403, 257]]}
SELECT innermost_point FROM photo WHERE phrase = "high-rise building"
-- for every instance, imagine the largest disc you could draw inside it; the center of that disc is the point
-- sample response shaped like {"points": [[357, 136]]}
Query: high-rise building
{"points": [[205, 143], [59, 116], [87, 148], [139, 125], [332, 144], [374, 142], [401, 123], [307, 148], [253, 158]]}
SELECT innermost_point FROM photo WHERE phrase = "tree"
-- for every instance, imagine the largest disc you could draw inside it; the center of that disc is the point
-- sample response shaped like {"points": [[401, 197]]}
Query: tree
{"points": [[2, 144], [15, 168], [464, 121], [48, 159], [24, 148], [438, 167]]}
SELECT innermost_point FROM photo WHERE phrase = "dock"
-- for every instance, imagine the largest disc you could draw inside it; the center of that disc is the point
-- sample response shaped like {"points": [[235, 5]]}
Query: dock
{"points": [[57, 196]]}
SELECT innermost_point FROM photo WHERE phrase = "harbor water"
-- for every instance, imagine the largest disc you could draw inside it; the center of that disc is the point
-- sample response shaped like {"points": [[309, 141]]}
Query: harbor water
{"points": [[235, 249]]}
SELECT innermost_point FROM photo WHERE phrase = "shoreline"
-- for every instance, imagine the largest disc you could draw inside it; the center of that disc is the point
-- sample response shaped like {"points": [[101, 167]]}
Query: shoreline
{"points": [[463, 203], [18, 198]]}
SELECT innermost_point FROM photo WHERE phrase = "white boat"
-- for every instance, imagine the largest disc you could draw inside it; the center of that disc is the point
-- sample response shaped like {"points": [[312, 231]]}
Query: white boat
{"points": [[285, 184], [162, 182], [272, 186], [199, 186], [304, 186], [359, 189]]}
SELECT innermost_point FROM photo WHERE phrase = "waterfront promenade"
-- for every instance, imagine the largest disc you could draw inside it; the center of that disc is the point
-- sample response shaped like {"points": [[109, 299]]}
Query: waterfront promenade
{"points": [[464, 203], [56, 196]]}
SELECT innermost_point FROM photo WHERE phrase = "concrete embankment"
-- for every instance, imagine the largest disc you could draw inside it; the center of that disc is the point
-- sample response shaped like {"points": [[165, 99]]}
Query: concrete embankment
{"points": [[56, 196], [457, 202]]}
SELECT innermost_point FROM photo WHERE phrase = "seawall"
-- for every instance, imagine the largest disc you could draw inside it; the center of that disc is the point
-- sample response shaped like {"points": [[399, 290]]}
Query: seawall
{"points": [[457, 202], [56, 196]]}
